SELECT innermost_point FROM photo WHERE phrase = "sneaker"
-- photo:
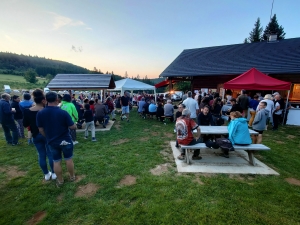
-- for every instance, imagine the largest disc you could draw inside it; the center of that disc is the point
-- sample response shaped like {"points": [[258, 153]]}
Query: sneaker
{"points": [[85, 137], [48, 176], [104, 126], [53, 177], [121, 118], [29, 141], [13, 144], [59, 184], [94, 139], [197, 157], [75, 142]]}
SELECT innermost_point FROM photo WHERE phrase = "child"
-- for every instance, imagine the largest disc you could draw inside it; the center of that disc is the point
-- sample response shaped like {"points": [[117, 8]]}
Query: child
{"points": [[89, 122]]}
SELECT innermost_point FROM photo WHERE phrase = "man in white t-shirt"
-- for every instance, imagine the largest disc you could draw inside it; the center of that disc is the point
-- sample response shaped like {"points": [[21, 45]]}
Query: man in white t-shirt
{"points": [[192, 105]]}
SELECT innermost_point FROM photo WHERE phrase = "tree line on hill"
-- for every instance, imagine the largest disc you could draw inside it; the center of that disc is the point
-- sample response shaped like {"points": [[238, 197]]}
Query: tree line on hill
{"points": [[257, 34], [31, 67]]}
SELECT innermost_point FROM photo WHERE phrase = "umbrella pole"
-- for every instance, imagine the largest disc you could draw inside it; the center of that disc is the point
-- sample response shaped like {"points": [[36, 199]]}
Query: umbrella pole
{"points": [[286, 104]]}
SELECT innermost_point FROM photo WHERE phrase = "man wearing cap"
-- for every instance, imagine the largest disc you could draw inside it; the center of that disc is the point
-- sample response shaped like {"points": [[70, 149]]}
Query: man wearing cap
{"points": [[243, 101], [7, 120], [18, 116], [184, 129], [192, 105]]}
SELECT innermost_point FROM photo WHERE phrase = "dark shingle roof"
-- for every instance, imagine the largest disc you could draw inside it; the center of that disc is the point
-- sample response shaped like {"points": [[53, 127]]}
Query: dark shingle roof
{"points": [[81, 82], [281, 57]]}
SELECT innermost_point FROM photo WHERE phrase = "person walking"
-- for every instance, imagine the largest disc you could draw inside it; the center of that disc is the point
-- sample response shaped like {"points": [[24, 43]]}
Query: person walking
{"points": [[7, 120], [39, 140], [54, 124], [18, 116], [124, 101], [89, 122]]}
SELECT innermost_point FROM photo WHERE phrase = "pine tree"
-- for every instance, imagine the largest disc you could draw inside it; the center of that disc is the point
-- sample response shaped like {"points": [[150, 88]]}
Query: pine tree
{"points": [[246, 41], [126, 75], [274, 28], [138, 77], [256, 33]]}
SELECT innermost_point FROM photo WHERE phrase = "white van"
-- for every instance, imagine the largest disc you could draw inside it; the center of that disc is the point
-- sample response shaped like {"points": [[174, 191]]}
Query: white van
{"points": [[7, 89], [46, 90]]}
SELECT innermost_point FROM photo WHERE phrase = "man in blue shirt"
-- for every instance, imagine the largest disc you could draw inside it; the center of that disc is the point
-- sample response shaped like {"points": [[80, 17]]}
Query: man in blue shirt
{"points": [[54, 123], [152, 108], [7, 120]]}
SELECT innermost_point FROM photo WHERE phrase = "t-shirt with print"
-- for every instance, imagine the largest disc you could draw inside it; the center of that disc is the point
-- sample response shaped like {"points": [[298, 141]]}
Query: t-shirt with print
{"points": [[184, 127], [56, 123]]}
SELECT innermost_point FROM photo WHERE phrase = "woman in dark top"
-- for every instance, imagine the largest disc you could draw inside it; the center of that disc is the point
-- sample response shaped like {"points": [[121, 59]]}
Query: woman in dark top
{"points": [[38, 139], [160, 112], [216, 111]]}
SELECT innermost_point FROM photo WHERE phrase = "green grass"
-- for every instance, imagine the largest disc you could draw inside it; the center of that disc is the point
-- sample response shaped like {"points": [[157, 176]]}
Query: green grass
{"points": [[18, 82], [170, 198]]}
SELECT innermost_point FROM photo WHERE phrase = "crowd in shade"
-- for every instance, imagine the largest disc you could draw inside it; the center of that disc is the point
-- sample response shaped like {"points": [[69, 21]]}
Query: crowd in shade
{"points": [[51, 119]]}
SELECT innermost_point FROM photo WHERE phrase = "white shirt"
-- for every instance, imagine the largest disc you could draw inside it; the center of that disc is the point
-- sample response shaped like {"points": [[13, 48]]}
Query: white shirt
{"points": [[279, 112], [192, 105]]}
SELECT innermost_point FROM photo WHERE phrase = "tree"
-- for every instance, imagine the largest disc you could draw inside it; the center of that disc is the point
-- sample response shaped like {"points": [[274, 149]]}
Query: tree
{"points": [[274, 28], [49, 77], [256, 33], [126, 75], [30, 76], [246, 41], [138, 77]]}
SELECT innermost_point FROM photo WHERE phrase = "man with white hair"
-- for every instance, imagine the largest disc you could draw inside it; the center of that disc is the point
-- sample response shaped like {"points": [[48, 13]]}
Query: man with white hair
{"points": [[7, 120], [184, 129], [169, 110], [192, 105], [279, 106]]}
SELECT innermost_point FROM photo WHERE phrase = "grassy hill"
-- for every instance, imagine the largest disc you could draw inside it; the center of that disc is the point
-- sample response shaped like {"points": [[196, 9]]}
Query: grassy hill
{"points": [[18, 82]]}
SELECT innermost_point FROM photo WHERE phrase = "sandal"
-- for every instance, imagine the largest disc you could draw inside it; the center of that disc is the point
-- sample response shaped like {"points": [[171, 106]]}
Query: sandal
{"points": [[181, 157], [72, 178], [59, 184]]}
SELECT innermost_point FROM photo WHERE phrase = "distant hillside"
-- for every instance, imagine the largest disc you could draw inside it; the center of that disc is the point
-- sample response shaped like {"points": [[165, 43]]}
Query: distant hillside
{"points": [[11, 63]]}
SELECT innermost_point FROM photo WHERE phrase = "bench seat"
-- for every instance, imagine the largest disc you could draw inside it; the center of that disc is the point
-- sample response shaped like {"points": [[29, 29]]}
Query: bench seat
{"points": [[248, 148]]}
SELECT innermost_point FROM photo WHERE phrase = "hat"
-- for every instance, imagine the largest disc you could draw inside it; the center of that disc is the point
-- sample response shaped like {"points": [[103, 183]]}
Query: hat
{"points": [[186, 112], [276, 93], [15, 97]]}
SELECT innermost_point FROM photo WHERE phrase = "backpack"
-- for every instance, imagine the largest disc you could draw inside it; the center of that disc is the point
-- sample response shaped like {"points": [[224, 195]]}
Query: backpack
{"points": [[225, 144]]}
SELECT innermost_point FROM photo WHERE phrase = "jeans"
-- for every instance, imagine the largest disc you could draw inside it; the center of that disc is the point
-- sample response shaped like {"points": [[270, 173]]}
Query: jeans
{"points": [[7, 127], [276, 119], [41, 146], [196, 151], [21, 128], [90, 125]]}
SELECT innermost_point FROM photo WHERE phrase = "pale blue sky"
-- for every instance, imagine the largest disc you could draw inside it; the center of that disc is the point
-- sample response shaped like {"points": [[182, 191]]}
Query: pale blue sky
{"points": [[138, 36]]}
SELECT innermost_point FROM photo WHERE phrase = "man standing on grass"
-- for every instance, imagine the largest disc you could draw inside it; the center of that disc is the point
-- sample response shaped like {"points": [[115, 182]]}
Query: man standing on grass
{"points": [[124, 101], [54, 123], [260, 120], [7, 120], [243, 101], [192, 105], [279, 106]]}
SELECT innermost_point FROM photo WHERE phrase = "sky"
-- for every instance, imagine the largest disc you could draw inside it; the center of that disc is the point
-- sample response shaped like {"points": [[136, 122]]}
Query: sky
{"points": [[138, 37]]}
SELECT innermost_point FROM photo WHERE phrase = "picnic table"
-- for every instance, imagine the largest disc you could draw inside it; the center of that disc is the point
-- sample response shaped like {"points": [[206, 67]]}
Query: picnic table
{"points": [[218, 130]]}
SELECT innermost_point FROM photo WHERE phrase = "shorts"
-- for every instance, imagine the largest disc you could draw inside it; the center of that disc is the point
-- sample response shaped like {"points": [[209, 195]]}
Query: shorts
{"points": [[66, 150], [125, 109], [259, 131]]}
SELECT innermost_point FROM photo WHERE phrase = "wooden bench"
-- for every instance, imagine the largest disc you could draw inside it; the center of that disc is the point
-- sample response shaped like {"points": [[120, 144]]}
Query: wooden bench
{"points": [[248, 148]]}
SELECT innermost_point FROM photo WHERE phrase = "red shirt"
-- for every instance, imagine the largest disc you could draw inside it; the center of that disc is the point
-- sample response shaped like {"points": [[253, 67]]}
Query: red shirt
{"points": [[184, 128]]}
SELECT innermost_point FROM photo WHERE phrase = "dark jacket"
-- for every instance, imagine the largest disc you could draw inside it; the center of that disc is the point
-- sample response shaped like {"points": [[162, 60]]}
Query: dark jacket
{"points": [[205, 120], [243, 101], [18, 115], [6, 115]]}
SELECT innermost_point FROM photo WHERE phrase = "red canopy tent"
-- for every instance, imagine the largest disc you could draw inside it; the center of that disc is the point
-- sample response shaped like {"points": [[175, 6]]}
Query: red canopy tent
{"points": [[164, 83], [256, 80]]}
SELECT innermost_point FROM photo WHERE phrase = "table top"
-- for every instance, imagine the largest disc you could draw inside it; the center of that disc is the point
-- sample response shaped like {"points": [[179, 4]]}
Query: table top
{"points": [[218, 130]]}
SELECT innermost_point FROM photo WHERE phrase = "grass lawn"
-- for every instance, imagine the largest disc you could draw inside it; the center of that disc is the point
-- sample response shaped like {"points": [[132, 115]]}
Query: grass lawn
{"points": [[131, 151], [18, 82]]}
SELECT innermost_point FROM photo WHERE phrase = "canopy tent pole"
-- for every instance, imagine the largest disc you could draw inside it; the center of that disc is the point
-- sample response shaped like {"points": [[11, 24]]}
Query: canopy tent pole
{"points": [[155, 94], [286, 104], [101, 94]]}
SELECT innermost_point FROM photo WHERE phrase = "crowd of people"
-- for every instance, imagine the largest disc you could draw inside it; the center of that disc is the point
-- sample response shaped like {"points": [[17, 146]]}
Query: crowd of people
{"points": [[52, 129]]}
